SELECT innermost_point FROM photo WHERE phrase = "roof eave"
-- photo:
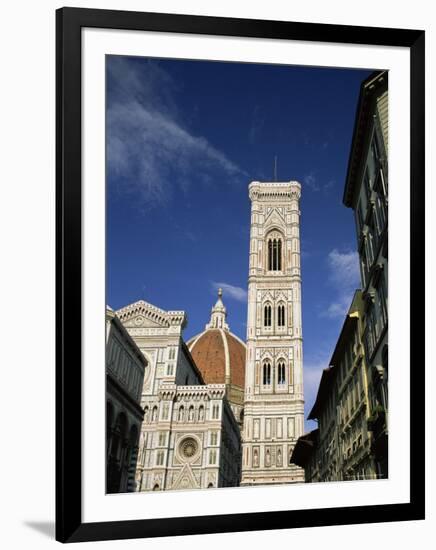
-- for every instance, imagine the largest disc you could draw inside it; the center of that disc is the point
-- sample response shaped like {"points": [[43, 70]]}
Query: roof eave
{"points": [[374, 82], [324, 386]]}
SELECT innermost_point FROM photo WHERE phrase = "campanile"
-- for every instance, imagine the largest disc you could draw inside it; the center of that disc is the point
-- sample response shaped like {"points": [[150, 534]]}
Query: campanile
{"points": [[274, 398]]}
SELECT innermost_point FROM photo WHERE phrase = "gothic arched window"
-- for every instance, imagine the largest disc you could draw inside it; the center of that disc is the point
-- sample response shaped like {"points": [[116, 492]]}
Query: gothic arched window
{"points": [[266, 374], [154, 414], [181, 413], [281, 315], [267, 315], [274, 253], [281, 373]]}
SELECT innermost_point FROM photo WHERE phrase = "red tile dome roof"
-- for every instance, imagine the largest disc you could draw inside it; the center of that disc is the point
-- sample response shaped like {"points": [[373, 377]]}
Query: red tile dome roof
{"points": [[220, 357]]}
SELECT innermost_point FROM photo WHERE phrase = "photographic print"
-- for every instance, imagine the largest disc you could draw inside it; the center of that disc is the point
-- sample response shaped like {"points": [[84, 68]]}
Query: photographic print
{"points": [[246, 274], [222, 277]]}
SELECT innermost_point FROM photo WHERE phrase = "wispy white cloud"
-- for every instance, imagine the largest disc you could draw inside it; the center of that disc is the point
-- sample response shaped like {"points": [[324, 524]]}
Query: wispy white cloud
{"points": [[312, 376], [310, 181], [344, 267], [235, 292], [327, 187], [336, 309], [344, 277], [149, 146], [191, 236]]}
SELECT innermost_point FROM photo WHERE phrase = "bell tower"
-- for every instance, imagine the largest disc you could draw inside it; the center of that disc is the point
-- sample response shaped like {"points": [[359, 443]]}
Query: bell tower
{"points": [[274, 399]]}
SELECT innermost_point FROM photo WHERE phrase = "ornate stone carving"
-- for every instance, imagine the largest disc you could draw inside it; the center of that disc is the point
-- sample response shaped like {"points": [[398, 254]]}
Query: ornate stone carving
{"points": [[188, 448]]}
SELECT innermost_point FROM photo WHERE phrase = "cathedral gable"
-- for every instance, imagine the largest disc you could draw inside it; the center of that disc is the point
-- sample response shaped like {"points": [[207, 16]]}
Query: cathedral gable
{"points": [[143, 314], [143, 321], [186, 479]]}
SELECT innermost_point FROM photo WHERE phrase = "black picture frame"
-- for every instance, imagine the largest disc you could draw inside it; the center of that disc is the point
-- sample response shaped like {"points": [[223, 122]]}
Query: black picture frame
{"points": [[69, 23]]}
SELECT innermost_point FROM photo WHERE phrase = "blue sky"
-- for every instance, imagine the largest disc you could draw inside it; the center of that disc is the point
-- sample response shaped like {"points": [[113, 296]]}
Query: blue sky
{"points": [[184, 139]]}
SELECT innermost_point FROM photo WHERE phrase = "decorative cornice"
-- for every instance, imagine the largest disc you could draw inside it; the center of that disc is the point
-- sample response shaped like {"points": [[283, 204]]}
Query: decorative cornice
{"points": [[195, 392], [272, 191]]}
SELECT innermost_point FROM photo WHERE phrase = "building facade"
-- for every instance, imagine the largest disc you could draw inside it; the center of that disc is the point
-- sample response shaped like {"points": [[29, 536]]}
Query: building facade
{"points": [[274, 400], [125, 368], [189, 437], [341, 448], [366, 192]]}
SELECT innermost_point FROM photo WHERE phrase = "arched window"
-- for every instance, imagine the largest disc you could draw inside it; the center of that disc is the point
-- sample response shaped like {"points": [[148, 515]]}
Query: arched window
{"points": [[267, 315], [109, 422], [119, 436], [191, 413], [181, 413], [201, 413], [146, 414], [274, 253], [109, 417], [281, 373], [154, 414], [279, 255], [266, 374], [281, 315]]}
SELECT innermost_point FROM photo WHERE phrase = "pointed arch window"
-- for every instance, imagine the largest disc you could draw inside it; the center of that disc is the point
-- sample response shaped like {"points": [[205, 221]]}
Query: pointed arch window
{"points": [[281, 373], [266, 374], [267, 315], [281, 315], [274, 253]]}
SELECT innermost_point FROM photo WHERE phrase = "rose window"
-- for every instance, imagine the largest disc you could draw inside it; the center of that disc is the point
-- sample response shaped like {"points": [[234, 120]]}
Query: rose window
{"points": [[188, 448]]}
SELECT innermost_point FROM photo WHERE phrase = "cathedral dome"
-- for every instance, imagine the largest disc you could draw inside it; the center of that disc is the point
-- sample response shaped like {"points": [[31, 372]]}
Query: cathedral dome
{"points": [[220, 357], [219, 354]]}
